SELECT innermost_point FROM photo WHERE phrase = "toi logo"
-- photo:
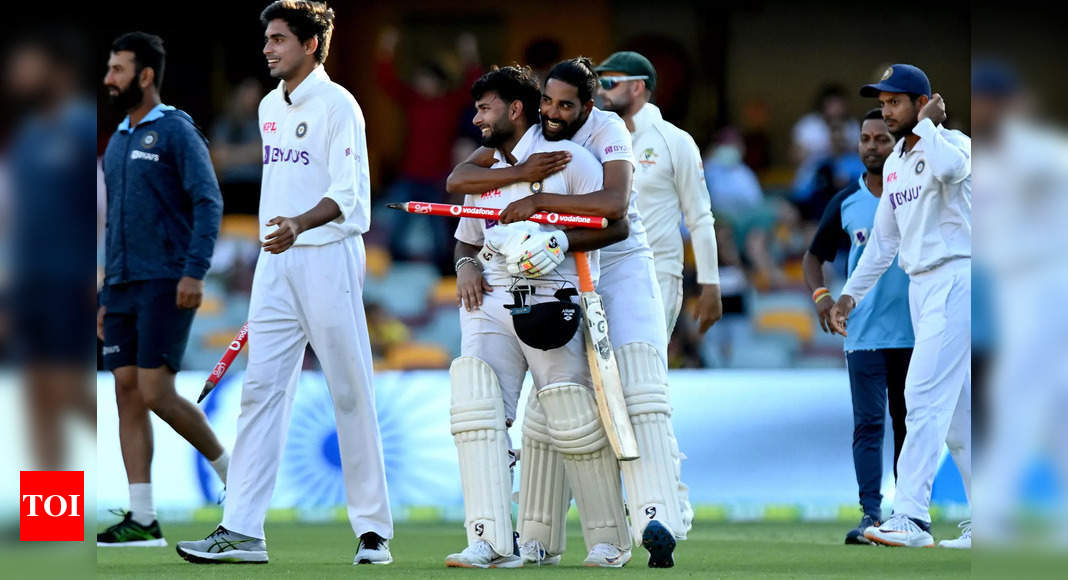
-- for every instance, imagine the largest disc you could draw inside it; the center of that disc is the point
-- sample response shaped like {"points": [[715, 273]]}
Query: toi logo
{"points": [[51, 506]]}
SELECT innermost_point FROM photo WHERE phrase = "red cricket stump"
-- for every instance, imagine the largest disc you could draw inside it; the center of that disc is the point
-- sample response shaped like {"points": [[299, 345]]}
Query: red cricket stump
{"points": [[471, 211], [224, 363]]}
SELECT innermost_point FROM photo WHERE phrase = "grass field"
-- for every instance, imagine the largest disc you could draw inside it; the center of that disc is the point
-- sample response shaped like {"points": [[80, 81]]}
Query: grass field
{"points": [[717, 550]]}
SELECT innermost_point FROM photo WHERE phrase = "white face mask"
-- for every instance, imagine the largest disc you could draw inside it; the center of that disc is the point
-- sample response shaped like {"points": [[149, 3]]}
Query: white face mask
{"points": [[726, 155]]}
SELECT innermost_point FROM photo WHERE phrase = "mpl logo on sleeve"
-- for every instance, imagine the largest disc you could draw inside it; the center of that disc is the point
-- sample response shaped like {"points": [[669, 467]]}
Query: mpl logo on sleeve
{"points": [[51, 506]]}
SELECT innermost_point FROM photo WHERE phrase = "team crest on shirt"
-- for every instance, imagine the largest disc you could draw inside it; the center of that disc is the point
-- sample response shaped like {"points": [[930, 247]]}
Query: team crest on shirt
{"points": [[860, 237], [647, 157], [302, 130], [920, 166], [535, 187], [150, 139]]}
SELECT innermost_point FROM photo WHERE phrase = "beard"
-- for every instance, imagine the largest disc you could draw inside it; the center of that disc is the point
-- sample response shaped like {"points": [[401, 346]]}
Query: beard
{"points": [[904, 129], [127, 98], [618, 107], [499, 133], [568, 130]]}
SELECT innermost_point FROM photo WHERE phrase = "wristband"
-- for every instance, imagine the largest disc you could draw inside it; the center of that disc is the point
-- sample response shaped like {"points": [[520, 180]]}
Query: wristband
{"points": [[820, 293], [465, 260], [822, 296]]}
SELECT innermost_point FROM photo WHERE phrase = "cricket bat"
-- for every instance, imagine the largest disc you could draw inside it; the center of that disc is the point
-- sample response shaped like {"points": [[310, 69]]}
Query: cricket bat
{"points": [[607, 385]]}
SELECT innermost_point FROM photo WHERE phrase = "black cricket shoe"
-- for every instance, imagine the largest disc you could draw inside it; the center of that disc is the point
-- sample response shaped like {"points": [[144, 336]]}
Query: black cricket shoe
{"points": [[660, 543]]}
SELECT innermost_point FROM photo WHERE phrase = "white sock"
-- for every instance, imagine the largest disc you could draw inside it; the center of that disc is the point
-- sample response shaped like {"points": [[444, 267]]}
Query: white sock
{"points": [[144, 511], [221, 464]]}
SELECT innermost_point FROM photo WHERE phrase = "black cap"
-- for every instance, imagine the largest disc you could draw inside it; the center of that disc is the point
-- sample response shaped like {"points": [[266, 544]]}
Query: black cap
{"points": [[899, 78]]}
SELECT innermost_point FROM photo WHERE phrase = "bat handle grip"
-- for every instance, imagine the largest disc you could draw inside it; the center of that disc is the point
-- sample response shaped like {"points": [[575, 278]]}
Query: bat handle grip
{"points": [[583, 266]]}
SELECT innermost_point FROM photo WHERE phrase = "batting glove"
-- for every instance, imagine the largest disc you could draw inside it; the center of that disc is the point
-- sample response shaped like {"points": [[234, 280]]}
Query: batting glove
{"points": [[537, 254]]}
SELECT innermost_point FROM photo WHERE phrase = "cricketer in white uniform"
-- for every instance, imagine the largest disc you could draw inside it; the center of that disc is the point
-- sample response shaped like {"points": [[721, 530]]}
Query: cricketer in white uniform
{"points": [[314, 156], [670, 181], [923, 217], [658, 500], [488, 376]]}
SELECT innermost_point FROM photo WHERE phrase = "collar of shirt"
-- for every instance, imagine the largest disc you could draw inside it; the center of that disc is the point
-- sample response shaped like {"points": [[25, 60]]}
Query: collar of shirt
{"points": [[522, 148], [646, 116], [900, 147], [306, 86], [152, 115]]}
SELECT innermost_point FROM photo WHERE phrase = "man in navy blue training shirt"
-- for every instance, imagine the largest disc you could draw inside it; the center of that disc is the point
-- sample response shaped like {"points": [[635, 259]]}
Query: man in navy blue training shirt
{"points": [[164, 210], [879, 345]]}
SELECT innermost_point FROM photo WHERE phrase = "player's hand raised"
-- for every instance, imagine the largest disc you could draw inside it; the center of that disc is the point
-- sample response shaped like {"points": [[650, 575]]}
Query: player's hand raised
{"points": [[281, 239], [840, 313], [541, 165], [470, 284], [935, 110]]}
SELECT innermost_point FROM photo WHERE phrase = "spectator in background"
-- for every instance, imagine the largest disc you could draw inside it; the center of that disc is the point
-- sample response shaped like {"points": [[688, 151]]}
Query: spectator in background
{"points": [[812, 132], [732, 185], [237, 151], [828, 174], [540, 55], [432, 113], [51, 299]]}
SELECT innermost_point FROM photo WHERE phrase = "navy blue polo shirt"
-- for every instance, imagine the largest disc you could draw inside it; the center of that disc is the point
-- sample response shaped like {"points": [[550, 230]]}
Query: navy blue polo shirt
{"points": [[164, 203]]}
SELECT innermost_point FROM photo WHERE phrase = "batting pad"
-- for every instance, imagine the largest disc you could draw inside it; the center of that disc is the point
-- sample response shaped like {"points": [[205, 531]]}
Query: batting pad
{"points": [[654, 487], [544, 495], [591, 467], [482, 443]]}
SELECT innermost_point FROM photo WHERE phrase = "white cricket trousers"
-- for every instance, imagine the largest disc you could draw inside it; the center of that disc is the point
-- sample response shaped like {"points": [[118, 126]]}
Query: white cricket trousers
{"points": [[938, 386], [308, 294]]}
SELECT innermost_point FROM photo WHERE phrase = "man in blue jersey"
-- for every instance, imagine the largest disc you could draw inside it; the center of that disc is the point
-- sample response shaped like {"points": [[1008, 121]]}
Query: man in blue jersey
{"points": [[164, 210], [880, 340]]}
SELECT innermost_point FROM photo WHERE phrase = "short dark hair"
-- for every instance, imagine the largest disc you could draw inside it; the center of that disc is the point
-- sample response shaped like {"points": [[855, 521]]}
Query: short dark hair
{"points": [[873, 114], [512, 83], [306, 19], [577, 72], [148, 52]]}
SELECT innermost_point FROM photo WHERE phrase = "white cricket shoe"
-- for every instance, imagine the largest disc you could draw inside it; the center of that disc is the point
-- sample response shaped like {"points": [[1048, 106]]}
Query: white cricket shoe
{"points": [[533, 552], [373, 549], [481, 555], [607, 556], [964, 542], [224, 546], [900, 531]]}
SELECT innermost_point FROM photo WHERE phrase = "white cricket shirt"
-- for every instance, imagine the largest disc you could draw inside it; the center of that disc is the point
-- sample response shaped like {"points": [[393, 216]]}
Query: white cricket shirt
{"points": [[925, 213], [605, 135], [314, 146], [670, 180], [582, 175]]}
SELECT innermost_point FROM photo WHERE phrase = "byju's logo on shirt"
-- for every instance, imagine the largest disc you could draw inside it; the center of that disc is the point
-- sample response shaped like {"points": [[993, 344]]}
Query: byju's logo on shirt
{"points": [[135, 154], [860, 237], [900, 198], [276, 155], [616, 149]]}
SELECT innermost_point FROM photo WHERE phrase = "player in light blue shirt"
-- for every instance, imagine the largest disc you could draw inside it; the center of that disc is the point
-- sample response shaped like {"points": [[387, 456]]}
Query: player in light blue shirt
{"points": [[880, 339]]}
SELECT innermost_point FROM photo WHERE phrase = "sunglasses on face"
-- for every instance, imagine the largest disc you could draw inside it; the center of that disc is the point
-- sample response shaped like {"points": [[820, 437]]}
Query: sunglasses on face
{"points": [[608, 83]]}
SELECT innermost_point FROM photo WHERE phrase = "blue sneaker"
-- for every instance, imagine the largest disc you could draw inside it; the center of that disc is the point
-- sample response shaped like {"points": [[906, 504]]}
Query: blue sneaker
{"points": [[856, 535], [660, 543]]}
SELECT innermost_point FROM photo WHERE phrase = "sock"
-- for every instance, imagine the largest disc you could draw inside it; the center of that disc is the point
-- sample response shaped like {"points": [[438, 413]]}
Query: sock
{"points": [[141, 506], [221, 464]]}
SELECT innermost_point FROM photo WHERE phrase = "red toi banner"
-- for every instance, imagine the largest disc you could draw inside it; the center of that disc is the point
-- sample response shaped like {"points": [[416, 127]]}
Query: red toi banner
{"points": [[51, 506]]}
